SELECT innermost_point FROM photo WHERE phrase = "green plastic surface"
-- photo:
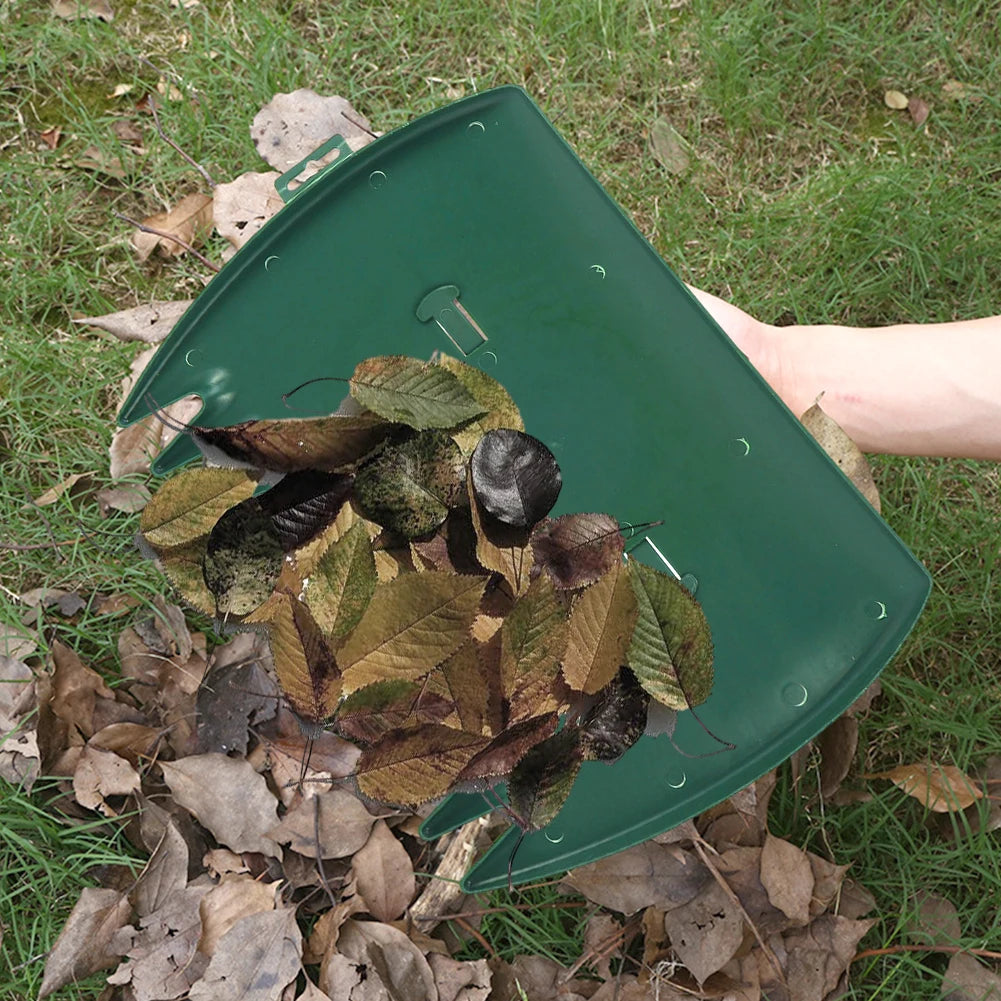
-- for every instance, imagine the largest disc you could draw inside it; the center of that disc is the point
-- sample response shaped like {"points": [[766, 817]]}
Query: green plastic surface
{"points": [[650, 410]]}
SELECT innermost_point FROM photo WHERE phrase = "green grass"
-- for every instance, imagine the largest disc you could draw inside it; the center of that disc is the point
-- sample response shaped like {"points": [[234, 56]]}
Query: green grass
{"points": [[807, 200]]}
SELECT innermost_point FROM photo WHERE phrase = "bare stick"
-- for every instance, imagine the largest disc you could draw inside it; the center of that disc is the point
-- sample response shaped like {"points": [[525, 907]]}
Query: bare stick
{"points": [[143, 228], [170, 142], [359, 125], [319, 853]]}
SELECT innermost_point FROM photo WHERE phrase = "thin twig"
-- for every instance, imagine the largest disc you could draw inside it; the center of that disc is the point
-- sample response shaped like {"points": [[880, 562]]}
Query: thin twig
{"points": [[25, 547], [466, 926], [319, 859], [143, 228], [359, 125], [606, 946], [952, 949], [735, 900], [170, 142]]}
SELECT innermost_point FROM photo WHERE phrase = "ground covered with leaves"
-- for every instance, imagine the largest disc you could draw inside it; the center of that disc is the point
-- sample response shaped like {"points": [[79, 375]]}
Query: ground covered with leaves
{"points": [[150, 772]]}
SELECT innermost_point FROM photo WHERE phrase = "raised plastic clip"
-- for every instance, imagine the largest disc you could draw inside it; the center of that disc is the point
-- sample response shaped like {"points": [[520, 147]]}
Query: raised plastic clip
{"points": [[334, 142]]}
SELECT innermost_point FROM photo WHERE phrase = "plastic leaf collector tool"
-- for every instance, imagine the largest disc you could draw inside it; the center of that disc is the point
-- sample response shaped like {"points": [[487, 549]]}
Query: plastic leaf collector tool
{"points": [[476, 230]]}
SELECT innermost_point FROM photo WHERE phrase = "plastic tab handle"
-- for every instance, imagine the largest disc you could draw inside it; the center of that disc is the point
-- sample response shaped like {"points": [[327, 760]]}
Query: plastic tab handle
{"points": [[334, 142]]}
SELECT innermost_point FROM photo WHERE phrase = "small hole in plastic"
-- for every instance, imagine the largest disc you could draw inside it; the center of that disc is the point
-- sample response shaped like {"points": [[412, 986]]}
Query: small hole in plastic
{"points": [[377, 179], [676, 778], [795, 695], [875, 610]]}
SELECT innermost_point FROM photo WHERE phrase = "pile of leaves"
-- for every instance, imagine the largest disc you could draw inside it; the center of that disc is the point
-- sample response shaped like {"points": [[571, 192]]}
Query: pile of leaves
{"points": [[417, 597]]}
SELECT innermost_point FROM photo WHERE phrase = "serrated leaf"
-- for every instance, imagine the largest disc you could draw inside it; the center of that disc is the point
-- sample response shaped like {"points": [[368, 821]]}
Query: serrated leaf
{"points": [[599, 632], [501, 410], [183, 567], [502, 548], [452, 547], [533, 638], [187, 505], [541, 782], [368, 715], [243, 558], [342, 582], [577, 549], [410, 626], [285, 446], [412, 392], [504, 752], [307, 671], [515, 477], [409, 487], [671, 652], [466, 682], [412, 766], [616, 721], [302, 504], [307, 556]]}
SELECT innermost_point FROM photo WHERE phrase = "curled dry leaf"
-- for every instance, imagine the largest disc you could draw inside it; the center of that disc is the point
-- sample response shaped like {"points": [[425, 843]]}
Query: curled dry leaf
{"points": [[149, 323], [706, 931], [224, 905], [340, 819], [82, 946], [189, 220], [833, 440], [390, 958], [941, 788], [99, 774]]}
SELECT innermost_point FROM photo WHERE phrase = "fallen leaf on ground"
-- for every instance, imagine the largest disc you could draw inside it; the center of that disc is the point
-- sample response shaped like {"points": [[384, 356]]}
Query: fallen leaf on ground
{"points": [[241, 207], [935, 920], [228, 797], [166, 872], [72, 10], [340, 819], [290, 126], [895, 99], [706, 931], [787, 876], [130, 498], [190, 220], [941, 788], [918, 110], [96, 159], [150, 323], [956, 90], [99, 774], [51, 136], [391, 959], [668, 147], [384, 874], [967, 979], [224, 905], [81, 948], [72, 486]]}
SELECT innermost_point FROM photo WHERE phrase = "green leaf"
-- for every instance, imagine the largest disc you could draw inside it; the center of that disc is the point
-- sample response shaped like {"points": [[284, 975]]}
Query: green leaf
{"points": [[243, 558], [412, 766], [413, 392], [671, 652], [409, 488], [289, 445], [187, 505], [533, 638], [600, 629], [307, 671], [342, 582], [411, 625], [501, 410], [541, 782]]}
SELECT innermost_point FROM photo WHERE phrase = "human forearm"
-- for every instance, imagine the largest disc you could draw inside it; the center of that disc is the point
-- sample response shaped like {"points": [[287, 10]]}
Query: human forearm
{"points": [[910, 389]]}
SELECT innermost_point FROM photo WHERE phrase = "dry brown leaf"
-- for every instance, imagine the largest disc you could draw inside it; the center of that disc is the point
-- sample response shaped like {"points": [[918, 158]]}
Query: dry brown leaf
{"points": [[254, 960], [837, 745], [648, 874], [96, 159], [76, 690], [51, 136], [149, 323], [341, 820], [389, 957], [72, 10], [162, 958], [967, 979], [130, 497], [827, 881], [918, 110], [72, 486], [99, 774], [833, 440], [228, 797], [941, 788], [787, 876], [290, 126], [234, 898], [956, 90], [190, 220], [819, 954], [706, 931], [241, 207], [601, 930], [20, 758], [935, 920], [460, 981], [165, 874], [384, 874], [895, 99], [82, 946]]}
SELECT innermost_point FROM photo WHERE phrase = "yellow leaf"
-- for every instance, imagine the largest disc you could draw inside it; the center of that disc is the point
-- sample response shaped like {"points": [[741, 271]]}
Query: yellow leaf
{"points": [[941, 788]]}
